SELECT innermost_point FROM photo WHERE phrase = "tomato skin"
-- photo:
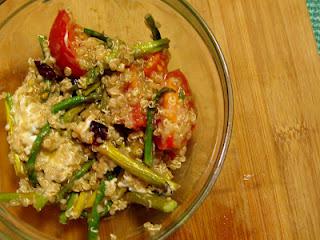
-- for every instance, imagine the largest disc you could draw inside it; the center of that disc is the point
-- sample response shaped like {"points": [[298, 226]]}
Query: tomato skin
{"points": [[165, 144], [61, 35], [172, 105], [177, 74], [156, 62], [138, 117]]}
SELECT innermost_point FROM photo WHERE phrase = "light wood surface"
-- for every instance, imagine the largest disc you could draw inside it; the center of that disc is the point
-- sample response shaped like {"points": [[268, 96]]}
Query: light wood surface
{"points": [[269, 186]]}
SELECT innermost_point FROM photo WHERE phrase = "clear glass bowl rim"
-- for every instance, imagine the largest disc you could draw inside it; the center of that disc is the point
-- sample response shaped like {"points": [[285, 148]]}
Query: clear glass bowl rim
{"points": [[197, 22]]}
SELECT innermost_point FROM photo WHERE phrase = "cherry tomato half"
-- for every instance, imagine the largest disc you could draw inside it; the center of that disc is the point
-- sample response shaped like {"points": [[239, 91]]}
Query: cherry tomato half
{"points": [[60, 43], [165, 144], [172, 107], [181, 81], [138, 117], [157, 62]]}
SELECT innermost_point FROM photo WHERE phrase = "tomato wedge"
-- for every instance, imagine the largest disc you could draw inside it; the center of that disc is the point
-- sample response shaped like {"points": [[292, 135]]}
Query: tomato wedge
{"points": [[174, 110], [156, 63], [176, 79], [138, 117], [60, 43], [165, 144]]}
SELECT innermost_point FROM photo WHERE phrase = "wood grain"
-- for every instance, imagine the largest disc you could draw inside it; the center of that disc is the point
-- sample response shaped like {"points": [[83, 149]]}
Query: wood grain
{"points": [[268, 188]]}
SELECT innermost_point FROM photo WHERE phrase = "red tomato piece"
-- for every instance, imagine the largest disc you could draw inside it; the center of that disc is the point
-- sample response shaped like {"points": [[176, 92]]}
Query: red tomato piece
{"points": [[172, 107], [165, 143], [157, 62], [138, 117], [60, 43], [171, 154], [182, 81]]}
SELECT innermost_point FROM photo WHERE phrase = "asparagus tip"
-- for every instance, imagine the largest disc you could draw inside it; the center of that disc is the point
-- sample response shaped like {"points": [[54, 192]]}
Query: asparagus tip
{"points": [[63, 218], [170, 206], [173, 186], [39, 202]]}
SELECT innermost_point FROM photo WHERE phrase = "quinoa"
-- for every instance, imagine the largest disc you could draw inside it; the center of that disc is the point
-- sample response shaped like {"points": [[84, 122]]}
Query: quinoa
{"points": [[102, 98], [152, 228]]}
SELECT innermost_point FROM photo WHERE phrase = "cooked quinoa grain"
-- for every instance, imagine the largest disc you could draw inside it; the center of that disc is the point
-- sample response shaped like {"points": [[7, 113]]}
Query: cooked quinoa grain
{"points": [[98, 125]]}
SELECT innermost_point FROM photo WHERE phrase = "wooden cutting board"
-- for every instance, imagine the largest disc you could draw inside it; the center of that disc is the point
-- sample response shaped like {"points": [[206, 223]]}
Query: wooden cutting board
{"points": [[269, 187]]}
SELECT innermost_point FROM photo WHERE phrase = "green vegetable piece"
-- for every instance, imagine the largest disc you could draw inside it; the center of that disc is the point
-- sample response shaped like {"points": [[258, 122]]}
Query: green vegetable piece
{"points": [[98, 35], [63, 219], [7, 197], [84, 169], [149, 20], [73, 102], [136, 168], [182, 94], [94, 216], [113, 173], [90, 199], [72, 113], [77, 175], [37, 200], [148, 143], [160, 93], [80, 204], [92, 75], [105, 212], [17, 164], [93, 33], [84, 214], [30, 165], [142, 49], [74, 88], [106, 209], [91, 89], [110, 175], [104, 100], [166, 205], [112, 55], [43, 41]]}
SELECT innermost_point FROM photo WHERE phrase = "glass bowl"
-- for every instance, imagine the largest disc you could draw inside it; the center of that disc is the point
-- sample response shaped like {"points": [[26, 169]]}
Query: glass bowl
{"points": [[194, 49]]}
